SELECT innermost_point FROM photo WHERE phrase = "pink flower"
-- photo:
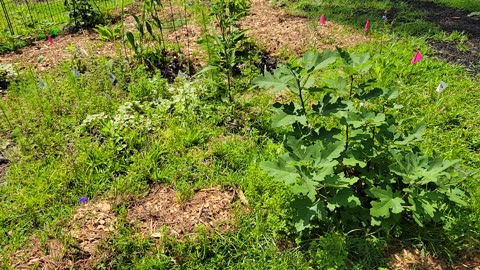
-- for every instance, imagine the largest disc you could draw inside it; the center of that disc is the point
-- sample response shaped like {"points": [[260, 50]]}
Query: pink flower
{"points": [[417, 57], [367, 25], [50, 40], [322, 19]]}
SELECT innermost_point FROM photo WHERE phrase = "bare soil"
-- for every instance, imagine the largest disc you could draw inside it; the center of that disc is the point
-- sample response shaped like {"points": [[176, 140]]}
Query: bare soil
{"points": [[449, 20]]}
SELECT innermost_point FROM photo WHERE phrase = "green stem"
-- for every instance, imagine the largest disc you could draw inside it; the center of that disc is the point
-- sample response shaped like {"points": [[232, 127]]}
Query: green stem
{"points": [[346, 137], [346, 127], [188, 40], [300, 95], [123, 31], [351, 86], [205, 31], [225, 46], [173, 23]]}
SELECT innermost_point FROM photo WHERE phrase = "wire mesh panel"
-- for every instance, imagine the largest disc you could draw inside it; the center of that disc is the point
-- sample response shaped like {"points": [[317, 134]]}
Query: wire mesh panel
{"points": [[21, 16], [27, 18]]}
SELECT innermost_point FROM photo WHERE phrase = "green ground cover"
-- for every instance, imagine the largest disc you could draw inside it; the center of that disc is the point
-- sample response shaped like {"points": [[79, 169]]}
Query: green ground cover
{"points": [[71, 133]]}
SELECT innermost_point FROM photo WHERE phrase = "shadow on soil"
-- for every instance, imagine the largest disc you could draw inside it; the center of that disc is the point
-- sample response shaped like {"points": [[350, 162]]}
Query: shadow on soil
{"points": [[450, 20], [412, 18]]}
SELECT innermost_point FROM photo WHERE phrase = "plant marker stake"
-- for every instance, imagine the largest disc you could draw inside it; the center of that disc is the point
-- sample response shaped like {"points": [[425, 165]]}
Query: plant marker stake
{"points": [[417, 57], [75, 72], [50, 40], [441, 87], [322, 19], [367, 25]]}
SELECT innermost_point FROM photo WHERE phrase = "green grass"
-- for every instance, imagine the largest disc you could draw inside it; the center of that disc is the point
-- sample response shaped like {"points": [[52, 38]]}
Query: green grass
{"points": [[468, 5], [196, 142]]}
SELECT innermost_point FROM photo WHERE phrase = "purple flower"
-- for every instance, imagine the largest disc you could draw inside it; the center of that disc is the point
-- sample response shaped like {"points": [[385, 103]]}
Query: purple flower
{"points": [[83, 200], [384, 17]]}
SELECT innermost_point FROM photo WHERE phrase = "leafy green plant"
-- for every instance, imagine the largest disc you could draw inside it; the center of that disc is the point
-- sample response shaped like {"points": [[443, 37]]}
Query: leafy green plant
{"points": [[227, 48], [348, 159], [108, 33], [83, 14], [149, 25]]}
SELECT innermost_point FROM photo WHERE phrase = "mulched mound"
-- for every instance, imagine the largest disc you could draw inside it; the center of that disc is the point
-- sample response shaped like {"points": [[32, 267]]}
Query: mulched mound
{"points": [[160, 208], [157, 214], [40, 254], [91, 223]]}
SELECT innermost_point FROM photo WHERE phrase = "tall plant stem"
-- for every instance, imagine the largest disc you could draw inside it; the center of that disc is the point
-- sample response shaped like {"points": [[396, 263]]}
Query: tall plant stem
{"points": [[222, 22], [173, 24], [300, 94], [351, 86], [205, 31], [346, 126], [159, 24], [188, 40], [123, 30], [346, 137]]}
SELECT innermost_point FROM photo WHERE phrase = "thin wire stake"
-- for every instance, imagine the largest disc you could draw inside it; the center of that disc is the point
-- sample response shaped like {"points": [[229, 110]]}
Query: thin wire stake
{"points": [[10, 26]]}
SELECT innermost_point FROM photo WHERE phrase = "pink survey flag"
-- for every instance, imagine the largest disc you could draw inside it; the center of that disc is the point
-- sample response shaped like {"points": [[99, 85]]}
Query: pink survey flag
{"points": [[367, 25], [322, 19], [50, 40], [417, 57]]}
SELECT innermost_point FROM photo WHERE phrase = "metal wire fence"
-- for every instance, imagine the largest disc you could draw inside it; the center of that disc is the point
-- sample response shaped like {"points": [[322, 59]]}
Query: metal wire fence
{"points": [[23, 17]]}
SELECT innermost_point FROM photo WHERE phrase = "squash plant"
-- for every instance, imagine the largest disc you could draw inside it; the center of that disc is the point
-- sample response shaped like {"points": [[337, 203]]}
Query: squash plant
{"points": [[348, 159]]}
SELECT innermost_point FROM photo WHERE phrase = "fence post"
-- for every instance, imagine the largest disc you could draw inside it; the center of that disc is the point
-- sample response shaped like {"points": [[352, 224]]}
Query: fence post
{"points": [[7, 18]]}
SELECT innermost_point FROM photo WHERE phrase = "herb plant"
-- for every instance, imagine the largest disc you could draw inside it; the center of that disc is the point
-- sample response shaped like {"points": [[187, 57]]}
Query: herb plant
{"points": [[348, 159], [108, 33]]}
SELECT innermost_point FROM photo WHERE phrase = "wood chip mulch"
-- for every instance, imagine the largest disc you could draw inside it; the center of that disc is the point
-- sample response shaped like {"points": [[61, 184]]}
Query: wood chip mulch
{"points": [[208, 207], [157, 214], [277, 31], [406, 259], [43, 56]]}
